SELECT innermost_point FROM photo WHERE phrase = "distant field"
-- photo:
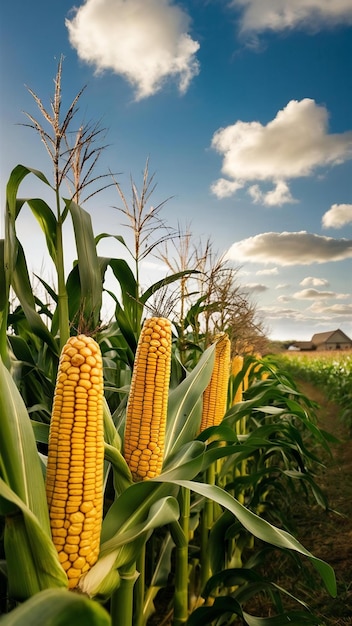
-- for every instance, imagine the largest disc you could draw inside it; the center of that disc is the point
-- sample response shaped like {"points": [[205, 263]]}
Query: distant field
{"points": [[330, 370], [319, 354]]}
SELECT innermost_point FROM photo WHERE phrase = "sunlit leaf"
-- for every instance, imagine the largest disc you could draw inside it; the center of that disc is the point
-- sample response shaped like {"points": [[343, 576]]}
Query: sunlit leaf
{"points": [[59, 608]]}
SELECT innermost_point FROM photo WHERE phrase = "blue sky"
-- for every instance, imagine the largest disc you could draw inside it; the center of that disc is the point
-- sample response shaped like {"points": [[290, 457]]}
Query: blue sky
{"points": [[243, 108]]}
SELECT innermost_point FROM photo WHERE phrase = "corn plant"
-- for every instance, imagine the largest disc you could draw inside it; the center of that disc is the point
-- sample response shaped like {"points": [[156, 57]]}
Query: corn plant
{"points": [[140, 508], [331, 371], [168, 482]]}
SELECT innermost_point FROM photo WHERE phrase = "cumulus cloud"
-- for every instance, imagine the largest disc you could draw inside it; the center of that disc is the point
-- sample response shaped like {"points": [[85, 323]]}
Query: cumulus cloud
{"points": [[337, 216], [344, 310], [292, 145], [295, 248], [275, 197], [313, 281], [257, 287], [312, 294], [278, 15], [223, 188], [144, 41], [284, 299], [281, 313]]}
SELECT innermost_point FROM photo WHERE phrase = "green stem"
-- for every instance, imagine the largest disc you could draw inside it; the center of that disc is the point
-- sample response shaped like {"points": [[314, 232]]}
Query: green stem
{"points": [[64, 322], [180, 534], [139, 589], [121, 605], [206, 525]]}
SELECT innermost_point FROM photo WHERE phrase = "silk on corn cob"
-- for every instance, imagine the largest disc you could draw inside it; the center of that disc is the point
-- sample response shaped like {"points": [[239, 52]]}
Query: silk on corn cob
{"points": [[74, 477], [215, 394], [147, 403]]}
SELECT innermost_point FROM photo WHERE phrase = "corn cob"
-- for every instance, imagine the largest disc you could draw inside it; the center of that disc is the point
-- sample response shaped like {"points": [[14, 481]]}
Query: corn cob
{"points": [[215, 395], [147, 403], [236, 367], [74, 477]]}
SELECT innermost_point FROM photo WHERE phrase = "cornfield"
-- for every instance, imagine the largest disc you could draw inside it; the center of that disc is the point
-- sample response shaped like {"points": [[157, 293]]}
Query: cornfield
{"points": [[330, 370], [125, 471]]}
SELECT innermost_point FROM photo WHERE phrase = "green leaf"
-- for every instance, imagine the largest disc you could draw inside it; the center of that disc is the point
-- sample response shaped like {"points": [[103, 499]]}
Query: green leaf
{"points": [[20, 466], [23, 289], [185, 405], [58, 608], [48, 223], [207, 614], [162, 512], [129, 292], [261, 528], [163, 283], [41, 431], [32, 559], [132, 506], [89, 269], [126, 526]]}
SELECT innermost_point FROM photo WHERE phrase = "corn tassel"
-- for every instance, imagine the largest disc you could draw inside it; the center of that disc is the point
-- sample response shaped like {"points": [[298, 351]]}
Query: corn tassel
{"points": [[74, 479], [215, 395], [147, 404]]}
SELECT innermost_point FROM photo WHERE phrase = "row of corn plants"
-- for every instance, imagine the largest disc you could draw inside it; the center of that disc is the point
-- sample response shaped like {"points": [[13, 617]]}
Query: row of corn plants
{"points": [[330, 370], [129, 463], [156, 510]]}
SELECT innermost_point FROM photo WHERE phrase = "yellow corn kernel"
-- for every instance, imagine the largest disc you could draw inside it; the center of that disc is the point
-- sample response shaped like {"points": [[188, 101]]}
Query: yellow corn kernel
{"points": [[215, 395], [236, 367], [147, 403], [70, 447]]}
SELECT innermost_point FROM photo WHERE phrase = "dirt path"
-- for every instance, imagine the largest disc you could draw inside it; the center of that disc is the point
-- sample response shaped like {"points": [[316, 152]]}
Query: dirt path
{"points": [[328, 535]]}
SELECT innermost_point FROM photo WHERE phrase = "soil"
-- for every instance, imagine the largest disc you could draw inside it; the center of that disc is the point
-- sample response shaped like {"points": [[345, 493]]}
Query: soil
{"points": [[328, 535]]}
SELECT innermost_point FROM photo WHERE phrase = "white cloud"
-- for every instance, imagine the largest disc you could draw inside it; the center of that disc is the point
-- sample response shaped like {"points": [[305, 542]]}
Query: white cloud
{"points": [[313, 281], [258, 287], [344, 310], [278, 15], [282, 286], [276, 197], [284, 299], [223, 188], [292, 145], [296, 248], [268, 272], [277, 312], [145, 41], [337, 216], [312, 294]]}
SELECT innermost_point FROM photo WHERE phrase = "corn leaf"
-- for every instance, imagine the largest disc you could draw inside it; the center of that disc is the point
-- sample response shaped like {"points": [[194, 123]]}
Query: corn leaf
{"points": [[261, 528], [20, 466], [184, 408], [160, 284], [126, 527], [4, 299], [47, 221], [162, 512], [89, 270], [129, 293], [30, 552], [57, 607], [132, 506], [13, 207], [23, 289]]}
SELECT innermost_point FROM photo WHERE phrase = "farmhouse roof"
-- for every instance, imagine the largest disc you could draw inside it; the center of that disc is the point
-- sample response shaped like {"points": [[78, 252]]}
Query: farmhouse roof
{"points": [[303, 345], [319, 338]]}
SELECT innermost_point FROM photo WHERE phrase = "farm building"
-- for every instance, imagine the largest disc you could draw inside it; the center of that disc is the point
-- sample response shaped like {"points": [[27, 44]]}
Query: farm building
{"points": [[331, 340]]}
